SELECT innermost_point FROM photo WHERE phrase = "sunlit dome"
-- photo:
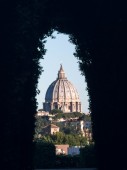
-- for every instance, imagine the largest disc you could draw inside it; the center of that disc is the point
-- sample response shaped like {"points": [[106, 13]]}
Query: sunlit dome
{"points": [[61, 94]]}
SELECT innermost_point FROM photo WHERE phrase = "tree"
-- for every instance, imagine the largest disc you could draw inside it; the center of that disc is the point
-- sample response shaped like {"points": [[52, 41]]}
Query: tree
{"points": [[61, 138], [39, 124], [44, 156], [56, 111]]}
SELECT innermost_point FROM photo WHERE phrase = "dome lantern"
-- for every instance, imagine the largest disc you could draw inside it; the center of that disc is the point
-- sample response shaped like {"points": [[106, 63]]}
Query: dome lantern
{"points": [[61, 73]]}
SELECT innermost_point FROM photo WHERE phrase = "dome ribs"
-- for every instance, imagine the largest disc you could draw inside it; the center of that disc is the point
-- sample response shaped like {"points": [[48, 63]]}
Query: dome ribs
{"points": [[61, 94]]}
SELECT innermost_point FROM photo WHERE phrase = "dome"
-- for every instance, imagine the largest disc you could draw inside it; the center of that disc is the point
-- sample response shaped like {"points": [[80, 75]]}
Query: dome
{"points": [[61, 92]]}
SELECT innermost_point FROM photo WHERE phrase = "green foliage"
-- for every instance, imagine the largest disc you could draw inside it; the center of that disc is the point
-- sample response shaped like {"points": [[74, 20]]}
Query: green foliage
{"points": [[56, 111], [40, 122], [67, 115], [44, 156], [69, 127], [85, 117], [61, 138]]}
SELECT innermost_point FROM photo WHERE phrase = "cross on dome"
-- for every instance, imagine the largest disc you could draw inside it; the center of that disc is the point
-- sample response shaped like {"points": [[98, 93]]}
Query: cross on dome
{"points": [[61, 68]]}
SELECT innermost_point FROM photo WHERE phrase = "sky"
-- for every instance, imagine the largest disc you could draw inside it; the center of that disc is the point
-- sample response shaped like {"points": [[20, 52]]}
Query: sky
{"points": [[60, 51]]}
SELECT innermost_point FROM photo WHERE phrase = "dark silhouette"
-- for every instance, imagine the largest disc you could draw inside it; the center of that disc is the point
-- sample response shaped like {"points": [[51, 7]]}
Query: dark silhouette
{"points": [[44, 156], [99, 30]]}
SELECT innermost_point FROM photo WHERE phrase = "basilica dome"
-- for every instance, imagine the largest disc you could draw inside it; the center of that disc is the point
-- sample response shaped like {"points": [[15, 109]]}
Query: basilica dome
{"points": [[61, 94]]}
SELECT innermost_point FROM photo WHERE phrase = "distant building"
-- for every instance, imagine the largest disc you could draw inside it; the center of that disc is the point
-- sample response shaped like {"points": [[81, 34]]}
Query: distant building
{"points": [[74, 150], [42, 113], [87, 124], [88, 134], [66, 150], [62, 149], [62, 95], [50, 129]]}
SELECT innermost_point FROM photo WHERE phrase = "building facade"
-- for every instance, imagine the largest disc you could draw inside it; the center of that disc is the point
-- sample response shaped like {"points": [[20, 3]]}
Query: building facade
{"points": [[62, 149], [62, 95], [50, 129], [74, 150]]}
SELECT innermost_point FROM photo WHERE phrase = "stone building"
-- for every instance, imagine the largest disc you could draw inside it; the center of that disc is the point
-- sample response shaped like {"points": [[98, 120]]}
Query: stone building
{"points": [[50, 129], [61, 94], [62, 149]]}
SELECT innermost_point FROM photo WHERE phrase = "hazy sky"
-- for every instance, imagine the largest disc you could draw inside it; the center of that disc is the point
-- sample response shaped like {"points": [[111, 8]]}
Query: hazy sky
{"points": [[60, 51]]}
